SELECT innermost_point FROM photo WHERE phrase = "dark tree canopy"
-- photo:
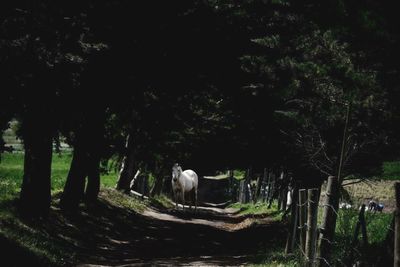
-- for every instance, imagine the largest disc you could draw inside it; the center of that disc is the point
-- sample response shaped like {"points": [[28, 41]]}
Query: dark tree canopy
{"points": [[214, 85]]}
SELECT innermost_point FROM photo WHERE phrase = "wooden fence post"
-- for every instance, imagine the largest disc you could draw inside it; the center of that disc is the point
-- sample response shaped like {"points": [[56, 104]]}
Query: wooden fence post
{"points": [[284, 198], [363, 226], [302, 218], [272, 191], [249, 195], [247, 192], [268, 187], [397, 227], [293, 222], [328, 220], [232, 187], [311, 226], [242, 191]]}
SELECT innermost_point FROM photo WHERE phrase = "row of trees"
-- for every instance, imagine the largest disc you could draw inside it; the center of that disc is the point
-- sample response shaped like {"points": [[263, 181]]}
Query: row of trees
{"points": [[212, 84]]}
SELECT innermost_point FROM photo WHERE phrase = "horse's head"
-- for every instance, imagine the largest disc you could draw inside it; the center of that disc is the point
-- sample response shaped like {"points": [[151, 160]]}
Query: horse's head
{"points": [[176, 172]]}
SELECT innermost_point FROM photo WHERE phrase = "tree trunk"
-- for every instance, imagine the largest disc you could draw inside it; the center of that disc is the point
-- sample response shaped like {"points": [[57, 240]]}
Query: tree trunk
{"points": [[128, 166], [75, 185], [93, 184], [35, 193], [329, 220]]}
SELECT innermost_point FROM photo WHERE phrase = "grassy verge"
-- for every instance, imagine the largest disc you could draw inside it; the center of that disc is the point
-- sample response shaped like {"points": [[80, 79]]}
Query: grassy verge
{"points": [[377, 228], [161, 201], [11, 171], [391, 170], [49, 242], [274, 255], [277, 258], [259, 209]]}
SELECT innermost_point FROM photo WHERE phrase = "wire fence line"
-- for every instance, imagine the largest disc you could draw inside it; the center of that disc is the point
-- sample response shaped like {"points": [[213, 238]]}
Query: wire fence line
{"points": [[318, 260]]}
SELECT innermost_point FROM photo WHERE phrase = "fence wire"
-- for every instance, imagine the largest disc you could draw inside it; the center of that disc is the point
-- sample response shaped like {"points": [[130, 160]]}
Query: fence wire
{"points": [[318, 260]]}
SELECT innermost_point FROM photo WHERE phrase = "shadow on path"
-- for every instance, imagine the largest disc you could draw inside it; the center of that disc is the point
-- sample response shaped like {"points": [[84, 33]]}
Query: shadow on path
{"points": [[108, 235]]}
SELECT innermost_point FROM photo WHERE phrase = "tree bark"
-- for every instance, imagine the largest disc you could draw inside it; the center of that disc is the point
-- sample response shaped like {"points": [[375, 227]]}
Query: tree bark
{"points": [[35, 193], [75, 185], [93, 184], [128, 166]]}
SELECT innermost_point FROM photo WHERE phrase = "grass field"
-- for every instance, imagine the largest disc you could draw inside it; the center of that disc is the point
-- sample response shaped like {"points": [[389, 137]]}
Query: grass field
{"points": [[391, 170], [27, 238], [11, 171]]}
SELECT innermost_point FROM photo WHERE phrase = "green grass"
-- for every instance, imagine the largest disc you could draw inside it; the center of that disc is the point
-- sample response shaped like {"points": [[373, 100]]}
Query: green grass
{"points": [[258, 208], [377, 226], [161, 201], [276, 258], [11, 172], [121, 200], [391, 170], [28, 239], [58, 240]]}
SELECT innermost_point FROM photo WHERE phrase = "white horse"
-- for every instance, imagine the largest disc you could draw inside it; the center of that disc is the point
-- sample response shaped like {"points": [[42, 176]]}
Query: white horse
{"points": [[184, 182]]}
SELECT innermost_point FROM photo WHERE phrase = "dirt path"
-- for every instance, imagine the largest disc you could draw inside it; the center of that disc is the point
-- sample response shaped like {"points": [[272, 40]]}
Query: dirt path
{"points": [[209, 237]]}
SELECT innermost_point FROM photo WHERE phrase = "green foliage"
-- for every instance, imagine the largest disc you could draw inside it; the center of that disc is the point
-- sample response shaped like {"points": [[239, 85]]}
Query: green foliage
{"points": [[239, 174]]}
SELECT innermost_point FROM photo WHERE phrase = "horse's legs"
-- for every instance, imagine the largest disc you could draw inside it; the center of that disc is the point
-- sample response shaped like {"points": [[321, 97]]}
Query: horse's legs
{"points": [[190, 200], [183, 199], [195, 199], [176, 199]]}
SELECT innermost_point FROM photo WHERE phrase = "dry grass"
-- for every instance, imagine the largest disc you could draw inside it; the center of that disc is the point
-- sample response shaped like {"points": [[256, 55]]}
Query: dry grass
{"points": [[381, 191]]}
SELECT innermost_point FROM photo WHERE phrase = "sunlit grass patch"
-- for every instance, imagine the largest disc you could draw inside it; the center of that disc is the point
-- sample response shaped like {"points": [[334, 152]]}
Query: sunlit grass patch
{"points": [[11, 173], [275, 257], [259, 208], [122, 200], [161, 201]]}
